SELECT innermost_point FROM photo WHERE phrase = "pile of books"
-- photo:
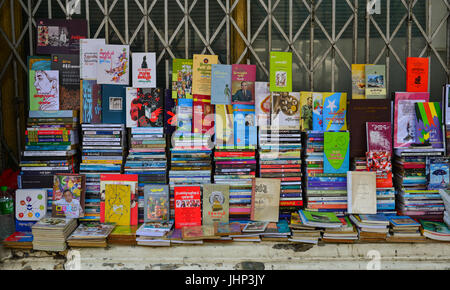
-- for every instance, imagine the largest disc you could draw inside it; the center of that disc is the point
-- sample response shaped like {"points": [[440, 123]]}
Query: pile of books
{"points": [[50, 234], [371, 227], [345, 234], [51, 147], [123, 235], [404, 229], [250, 232], [154, 234], [280, 157], [90, 235], [415, 198], [147, 158], [19, 240], [102, 152], [435, 230], [324, 192], [236, 166], [445, 194], [276, 232]]}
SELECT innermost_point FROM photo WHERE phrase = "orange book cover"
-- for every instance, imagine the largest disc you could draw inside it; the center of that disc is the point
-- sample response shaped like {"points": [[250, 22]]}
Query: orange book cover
{"points": [[417, 74]]}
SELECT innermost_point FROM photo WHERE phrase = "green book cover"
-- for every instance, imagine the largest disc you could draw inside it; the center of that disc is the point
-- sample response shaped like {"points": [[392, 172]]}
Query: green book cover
{"points": [[280, 71], [375, 81], [336, 152], [320, 217], [182, 78], [216, 198], [44, 90], [436, 227]]}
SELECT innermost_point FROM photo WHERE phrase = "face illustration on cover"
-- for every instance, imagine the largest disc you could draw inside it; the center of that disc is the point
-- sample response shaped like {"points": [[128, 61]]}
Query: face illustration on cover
{"points": [[45, 85]]}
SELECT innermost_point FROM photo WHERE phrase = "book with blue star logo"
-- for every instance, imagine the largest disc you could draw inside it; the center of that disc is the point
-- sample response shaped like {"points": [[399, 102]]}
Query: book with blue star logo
{"points": [[334, 111]]}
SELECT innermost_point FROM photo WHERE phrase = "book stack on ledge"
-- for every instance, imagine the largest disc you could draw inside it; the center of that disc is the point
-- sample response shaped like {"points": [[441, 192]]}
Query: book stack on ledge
{"points": [[51, 147], [280, 158], [371, 227], [445, 194], [404, 229], [90, 235], [50, 234], [435, 230], [345, 234], [154, 234], [236, 166], [123, 235], [277, 232], [251, 232]]}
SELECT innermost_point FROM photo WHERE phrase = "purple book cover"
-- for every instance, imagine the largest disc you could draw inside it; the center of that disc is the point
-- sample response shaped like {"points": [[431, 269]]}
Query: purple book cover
{"points": [[170, 113], [91, 102], [60, 35], [379, 136]]}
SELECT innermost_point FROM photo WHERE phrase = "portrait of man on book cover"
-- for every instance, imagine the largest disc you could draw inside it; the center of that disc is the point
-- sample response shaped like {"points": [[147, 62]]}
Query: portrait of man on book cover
{"points": [[244, 94]]}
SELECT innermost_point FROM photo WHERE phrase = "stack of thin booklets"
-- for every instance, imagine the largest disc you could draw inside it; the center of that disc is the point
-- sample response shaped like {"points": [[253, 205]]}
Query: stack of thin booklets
{"points": [[51, 147], [147, 158], [176, 237], [445, 194], [371, 227], [154, 234], [90, 235], [345, 234], [19, 240], [435, 230], [276, 232], [324, 192], [251, 232], [196, 233], [102, 152], [236, 166], [280, 157], [404, 229], [50, 234], [123, 235], [302, 233]]}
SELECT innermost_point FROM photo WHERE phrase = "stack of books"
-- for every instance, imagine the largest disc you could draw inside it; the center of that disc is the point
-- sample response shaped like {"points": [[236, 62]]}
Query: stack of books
{"points": [[51, 147], [345, 234], [445, 194], [102, 152], [176, 237], [19, 240], [198, 233], [324, 192], [404, 229], [236, 166], [147, 158], [435, 230], [371, 228], [50, 234], [123, 235], [154, 234], [277, 232], [302, 233], [280, 157], [90, 235], [250, 232]]}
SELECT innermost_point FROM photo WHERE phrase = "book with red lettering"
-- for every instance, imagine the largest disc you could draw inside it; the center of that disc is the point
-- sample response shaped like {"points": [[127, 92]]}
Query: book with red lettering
{"points": [[379, 136], [417, 74], [202, 115], [188, 211], [144, 70], [243, 77]]}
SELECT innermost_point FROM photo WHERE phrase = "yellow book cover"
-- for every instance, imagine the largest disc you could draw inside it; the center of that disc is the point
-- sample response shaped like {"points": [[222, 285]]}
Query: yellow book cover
{"points": [[306, 111], [201, 78], [358, 81], [224, 124], [117, 204]]}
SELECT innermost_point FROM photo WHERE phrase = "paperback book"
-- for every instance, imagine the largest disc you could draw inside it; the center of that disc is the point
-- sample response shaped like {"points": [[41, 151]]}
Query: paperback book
{"points": [[144, 70]]}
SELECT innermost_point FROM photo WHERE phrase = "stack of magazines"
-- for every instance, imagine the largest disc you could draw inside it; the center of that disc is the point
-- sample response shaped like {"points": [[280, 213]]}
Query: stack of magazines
{"points": [[50, 234], [90, 235]]}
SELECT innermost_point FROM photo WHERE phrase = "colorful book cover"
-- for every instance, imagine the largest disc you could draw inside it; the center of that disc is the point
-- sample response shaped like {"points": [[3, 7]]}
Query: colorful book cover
{"points": [[429, 124], [379, 136], [221, 84], [202, 115], [30, 204], [144, 70], [144, 107], [118, 204], [113, 65], [379, 161], [317, 112], [243, 84], [265, 199], [405, 117], [334, 111], [280, 71], [113, 104], [188, 211], [216, 199], [89, 58], [68, 66], [68, 195], [446, 101], [438, 173], [201, 73], [184, 115], [224, 125], [244, 125], [375, 81], [306, 111], [263, 104], [170, 113], [417, 74], [156, 203], [60, 35], [402, 221], [285, 113], [44, 90], [194, 233], [358, 81], [182, 78], [39, 63], [336, 152], [91, 102]]}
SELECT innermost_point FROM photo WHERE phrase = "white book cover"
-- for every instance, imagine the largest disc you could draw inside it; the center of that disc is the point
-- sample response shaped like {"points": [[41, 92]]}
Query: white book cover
{"points": [[285, 110], [113, 65], [131, 94], [89, 58], [361, 192], [262, 101], [144, 70]]}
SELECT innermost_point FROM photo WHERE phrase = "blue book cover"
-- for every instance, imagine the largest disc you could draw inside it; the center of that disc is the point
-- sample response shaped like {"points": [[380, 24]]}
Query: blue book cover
{"points": [[221, 84], [334, 111], [402, 221], [184, 116], [245, 133], [438, 173], [113, 104]]}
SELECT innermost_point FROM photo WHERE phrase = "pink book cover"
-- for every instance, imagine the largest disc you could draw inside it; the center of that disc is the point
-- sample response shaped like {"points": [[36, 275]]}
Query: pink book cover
{"points": [[379, 136], [405, 117], [243, 79]]}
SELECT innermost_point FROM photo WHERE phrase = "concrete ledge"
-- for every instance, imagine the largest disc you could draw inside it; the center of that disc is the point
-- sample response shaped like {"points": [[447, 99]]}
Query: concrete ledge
{"points": [[248, 256]]}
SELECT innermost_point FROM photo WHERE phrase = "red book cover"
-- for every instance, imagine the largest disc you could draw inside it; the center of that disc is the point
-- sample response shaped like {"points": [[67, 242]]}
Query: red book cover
{"points": [[187, 206], [202, 114], [417, 74], [379, 136], [291, 202]]}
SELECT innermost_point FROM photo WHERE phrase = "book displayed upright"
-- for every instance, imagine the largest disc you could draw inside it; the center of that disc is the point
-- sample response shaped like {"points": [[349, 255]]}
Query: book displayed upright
{"points": [[280, 71], [144, 107], [317, 111], [201, 73], [379, 136], [113, 104], [113, 66], [216, 199], [243, 84], [182, 78], [429, 124], [68, 195], [89, 57], [144, 70], [336, 152], [285, 111], [44, 90], [358, 81], [156, 203], [68, 66], [417, 74], [91, 102], [262, 104], [375, 81], [188, 211], [334, 111], [265, 199], [221, 84], [361, 192]]}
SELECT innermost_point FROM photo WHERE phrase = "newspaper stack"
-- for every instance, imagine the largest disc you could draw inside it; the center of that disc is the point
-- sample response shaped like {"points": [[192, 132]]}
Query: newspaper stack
{"points": [[50, 234]]}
